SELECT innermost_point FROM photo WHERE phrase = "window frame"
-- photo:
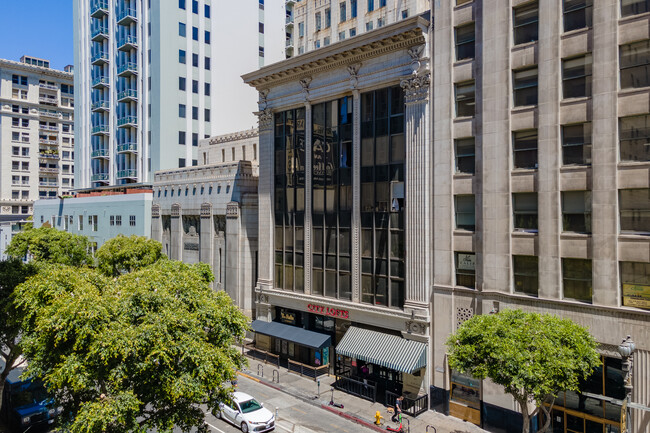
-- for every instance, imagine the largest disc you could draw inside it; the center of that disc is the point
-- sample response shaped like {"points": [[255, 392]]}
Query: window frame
{"points": [[520, 90], [463, 102], [569, 89], [519, 35], [627, 66], [468, 45], [522, 214]]}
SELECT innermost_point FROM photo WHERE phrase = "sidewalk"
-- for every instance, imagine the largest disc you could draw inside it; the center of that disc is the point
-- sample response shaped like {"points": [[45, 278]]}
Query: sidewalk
{"points": [[355, 409]]}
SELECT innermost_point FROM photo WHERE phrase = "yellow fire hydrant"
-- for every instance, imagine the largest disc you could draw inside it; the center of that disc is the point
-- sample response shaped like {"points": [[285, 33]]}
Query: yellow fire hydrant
{"points": [[378, 418]]}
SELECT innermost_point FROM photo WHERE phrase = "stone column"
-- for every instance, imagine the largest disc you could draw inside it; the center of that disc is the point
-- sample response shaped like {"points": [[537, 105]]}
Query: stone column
{"points": [[176, 236], [356, 182], [206, 241], [308, 185], [418, 186], [156, 223], [233, 253], [265, 192], [548, 133], [604, 155]]}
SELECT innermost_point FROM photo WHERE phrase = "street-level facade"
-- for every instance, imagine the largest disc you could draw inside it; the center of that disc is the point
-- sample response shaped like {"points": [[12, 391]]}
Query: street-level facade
{"points": [[342, 197]]}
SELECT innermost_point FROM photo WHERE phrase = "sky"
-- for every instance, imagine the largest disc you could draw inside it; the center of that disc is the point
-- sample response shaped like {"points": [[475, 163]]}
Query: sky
{"points": [[38, 28]]}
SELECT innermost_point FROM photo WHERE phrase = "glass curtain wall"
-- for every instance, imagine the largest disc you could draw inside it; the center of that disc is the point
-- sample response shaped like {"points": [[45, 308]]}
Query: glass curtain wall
{"points": [[332, 198], [382, 197], [289, 196]]}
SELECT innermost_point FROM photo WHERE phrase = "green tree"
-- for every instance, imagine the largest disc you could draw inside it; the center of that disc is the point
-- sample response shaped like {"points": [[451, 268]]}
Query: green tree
{"points": [[132, 353], [533, 356], [12, 273], [122, 254], [50, 245]]}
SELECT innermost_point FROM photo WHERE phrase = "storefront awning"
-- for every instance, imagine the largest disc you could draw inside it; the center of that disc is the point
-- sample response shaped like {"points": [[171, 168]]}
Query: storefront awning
{"points": [[389, 351], [292, 333]]}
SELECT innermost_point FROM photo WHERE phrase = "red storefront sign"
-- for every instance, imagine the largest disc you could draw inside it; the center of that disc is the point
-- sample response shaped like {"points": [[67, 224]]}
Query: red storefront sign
{"points": [[328, 311]]}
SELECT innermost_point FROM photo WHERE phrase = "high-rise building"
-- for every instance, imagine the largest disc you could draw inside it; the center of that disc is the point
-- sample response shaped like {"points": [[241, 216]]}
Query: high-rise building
{"points": [[36, 134], [313, 24], [155, 77]]}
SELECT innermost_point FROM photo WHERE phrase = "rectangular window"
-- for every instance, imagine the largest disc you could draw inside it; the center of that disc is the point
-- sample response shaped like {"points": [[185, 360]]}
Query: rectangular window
{"points": [[576, 211], [195, 86], [181, 110], [525, 23], [181, 56], [301, 29], [207, 63], [328, 18], [576, 144], [326, 41], [525, 87], [80, 225], [181, 4], [206, 89], [132, 220], [634, 60], [207, 37], [635, 284], [577, 14], [634, 208], [526, 274], [371, 5], [206, 113], [634, 138], [368, 26], [195, 60], [181, 83], [342, 12], [465, 42], [207, 11], [181, 162], [195, 33], [352, 32], [465, 212], [634, 7], [524, 149], [576, 278], [318, 21], [195, 139], [112, 220], [181, 29], [341, 35], [465, 99], [576, 77], [524, 207], [181, 137], [195, 6], [118, 220], [353, 8], [382, 3], [195, 113], [466, 269]]}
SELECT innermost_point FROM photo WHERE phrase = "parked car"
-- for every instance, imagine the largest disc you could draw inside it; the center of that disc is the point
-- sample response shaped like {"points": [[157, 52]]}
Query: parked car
{"points": [[247, 413]]}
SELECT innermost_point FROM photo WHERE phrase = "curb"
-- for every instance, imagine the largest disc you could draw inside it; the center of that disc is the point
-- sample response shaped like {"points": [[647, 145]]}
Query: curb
{"points": [[317, 404]]}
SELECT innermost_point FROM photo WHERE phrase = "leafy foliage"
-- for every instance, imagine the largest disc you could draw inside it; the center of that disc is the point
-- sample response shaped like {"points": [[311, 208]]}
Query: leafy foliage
{"points": [[533, 356], [12, 273], [132, 353], [123, 254], [49, 245]]}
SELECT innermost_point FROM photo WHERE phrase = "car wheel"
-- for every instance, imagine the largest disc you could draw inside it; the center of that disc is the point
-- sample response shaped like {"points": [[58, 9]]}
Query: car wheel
{"points": [[217, 413], [244, 427]]}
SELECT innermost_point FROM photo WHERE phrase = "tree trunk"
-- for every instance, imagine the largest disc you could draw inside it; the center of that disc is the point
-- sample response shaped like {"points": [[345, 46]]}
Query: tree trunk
{"points": [[10, 360], [525, 428]]}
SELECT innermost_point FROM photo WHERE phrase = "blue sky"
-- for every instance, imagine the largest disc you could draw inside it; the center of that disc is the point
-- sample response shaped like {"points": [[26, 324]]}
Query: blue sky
{"points": [[39, 28]]}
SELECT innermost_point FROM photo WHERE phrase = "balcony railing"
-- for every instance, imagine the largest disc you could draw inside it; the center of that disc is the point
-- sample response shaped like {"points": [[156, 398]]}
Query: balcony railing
{"points": [[49, 184], [47, 86], [48, 128], [99, 153], [127, 121], [128, 68], [100, 129], [127, 94], [289, 43], [99, 8], [48, 170], [100, 81], [100, 105], [99, 177], [127, 147], [48, 142], [127, 16], [49, 155], [49, 114], [48, 100], [99, 58], [99, 33], [288, 19], [127, 173], [127, 43]]}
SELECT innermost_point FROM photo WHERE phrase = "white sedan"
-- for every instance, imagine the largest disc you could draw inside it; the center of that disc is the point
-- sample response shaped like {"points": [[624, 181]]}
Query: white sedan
{"points": [[246, 412]]}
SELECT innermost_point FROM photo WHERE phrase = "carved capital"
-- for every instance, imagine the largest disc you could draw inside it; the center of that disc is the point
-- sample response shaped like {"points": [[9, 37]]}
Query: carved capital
{"points": [[416, 88], [265, 119], [155, 211], [206, 210], [232, 210], [176, 210], [305, 82], [354, 74], [263, 102]]}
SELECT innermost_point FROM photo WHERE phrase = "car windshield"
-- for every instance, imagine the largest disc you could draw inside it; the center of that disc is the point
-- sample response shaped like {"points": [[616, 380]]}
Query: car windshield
{"points": [[250, 406]]}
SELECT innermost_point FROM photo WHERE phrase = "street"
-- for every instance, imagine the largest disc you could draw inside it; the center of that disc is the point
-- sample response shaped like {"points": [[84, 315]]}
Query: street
{"points": [[294, 415]]}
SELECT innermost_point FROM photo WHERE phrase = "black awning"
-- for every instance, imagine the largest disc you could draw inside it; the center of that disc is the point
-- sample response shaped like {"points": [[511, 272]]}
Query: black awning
{"points": [[294, 334]]}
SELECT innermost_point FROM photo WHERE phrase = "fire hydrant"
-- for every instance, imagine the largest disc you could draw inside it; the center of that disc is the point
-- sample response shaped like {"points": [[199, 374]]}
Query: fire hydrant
{"points": [[378, 418]]}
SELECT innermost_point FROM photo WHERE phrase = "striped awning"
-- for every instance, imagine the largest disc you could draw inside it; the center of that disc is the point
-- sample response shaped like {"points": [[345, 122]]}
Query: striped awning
{"points": [[389, 351]]}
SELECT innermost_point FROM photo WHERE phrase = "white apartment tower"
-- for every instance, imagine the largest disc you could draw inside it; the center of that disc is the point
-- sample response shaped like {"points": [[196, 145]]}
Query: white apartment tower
{"points": [[152, 78], [312, 24], [36, 134]]}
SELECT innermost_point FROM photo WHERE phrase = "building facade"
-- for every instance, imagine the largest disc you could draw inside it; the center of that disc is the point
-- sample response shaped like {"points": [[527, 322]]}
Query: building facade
{"points": [[313, 24], [152, 81], [209, 213], [513, 173], [36, 135]]}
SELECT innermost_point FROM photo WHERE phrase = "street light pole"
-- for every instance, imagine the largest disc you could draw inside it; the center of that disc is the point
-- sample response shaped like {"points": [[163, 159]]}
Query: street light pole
{"points": [[626, 350]]}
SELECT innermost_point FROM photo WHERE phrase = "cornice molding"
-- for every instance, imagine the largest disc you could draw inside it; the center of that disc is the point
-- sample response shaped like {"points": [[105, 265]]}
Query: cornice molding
{"points": [[39, 70], [235, 136]]}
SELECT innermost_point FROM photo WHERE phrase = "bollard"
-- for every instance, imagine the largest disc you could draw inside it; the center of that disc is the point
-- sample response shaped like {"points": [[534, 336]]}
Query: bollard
{"points": [[276, 414], [318, 386]]}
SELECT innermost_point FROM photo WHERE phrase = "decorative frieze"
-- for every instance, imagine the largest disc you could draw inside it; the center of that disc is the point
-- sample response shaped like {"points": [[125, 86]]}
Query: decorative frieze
{"points": [[304, 83], [176, 210], [232, 210], [265, 120], [155, 211], [206, 210]]}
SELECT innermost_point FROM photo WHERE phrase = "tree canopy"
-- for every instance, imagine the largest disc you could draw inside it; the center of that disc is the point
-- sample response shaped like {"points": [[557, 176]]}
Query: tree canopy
{"points": [[132, 353], [123, 254], [49, 245], [12, 273], [533, 356]]}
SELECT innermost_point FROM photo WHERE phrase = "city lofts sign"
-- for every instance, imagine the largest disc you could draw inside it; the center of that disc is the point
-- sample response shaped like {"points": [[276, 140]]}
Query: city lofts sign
{"points": [[328, 311]]}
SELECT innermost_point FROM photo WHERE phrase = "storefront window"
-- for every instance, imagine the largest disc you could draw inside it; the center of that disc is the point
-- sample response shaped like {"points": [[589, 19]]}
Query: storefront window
{"points": [[382, 197], [332, 198], [289, 199], [465, 390]]}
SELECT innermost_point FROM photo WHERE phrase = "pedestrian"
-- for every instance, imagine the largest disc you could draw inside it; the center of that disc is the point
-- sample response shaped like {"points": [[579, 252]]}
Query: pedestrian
{"points": [[397, 413]]}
